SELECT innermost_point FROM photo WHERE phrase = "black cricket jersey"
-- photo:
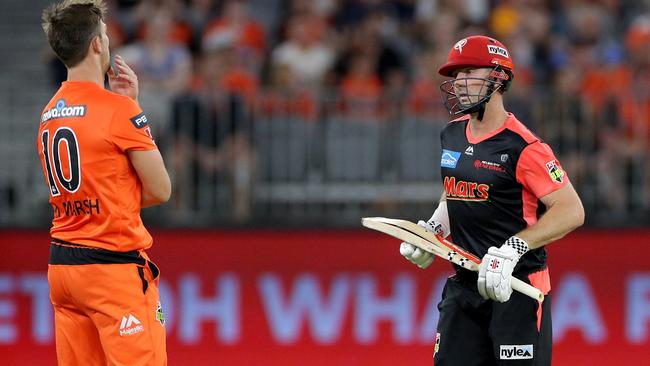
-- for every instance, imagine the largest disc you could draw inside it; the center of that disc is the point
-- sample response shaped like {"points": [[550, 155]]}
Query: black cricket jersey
{"points": [[493, 184]]}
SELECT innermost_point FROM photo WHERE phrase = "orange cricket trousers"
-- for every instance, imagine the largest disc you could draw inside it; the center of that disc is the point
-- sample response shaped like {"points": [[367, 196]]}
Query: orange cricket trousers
{"points": [[106, 307]]}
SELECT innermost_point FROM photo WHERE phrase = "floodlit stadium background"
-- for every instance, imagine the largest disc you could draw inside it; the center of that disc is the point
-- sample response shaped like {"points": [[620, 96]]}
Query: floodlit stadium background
{"points": [[276, 153]]}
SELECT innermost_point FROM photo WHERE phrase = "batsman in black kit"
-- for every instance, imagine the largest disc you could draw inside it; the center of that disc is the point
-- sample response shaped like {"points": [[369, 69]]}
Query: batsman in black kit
{"points": [[506, 196]]}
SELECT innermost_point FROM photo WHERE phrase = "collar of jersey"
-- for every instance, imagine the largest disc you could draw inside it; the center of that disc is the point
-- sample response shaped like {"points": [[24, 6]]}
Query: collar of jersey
{"points": [[475, 140], [80, 83]]}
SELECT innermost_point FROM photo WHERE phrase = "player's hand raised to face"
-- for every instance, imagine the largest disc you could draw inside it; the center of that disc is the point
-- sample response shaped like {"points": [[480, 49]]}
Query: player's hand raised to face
{"points": [[126, 82]]}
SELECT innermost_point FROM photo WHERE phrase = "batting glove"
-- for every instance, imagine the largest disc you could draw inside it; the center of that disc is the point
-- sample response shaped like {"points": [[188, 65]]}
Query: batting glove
{"points": [[415, 255], [495, 272]]}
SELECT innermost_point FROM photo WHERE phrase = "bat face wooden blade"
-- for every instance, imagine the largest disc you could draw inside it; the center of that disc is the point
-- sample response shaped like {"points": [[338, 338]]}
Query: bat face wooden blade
{"points": [[401, 234], [380, 224]]}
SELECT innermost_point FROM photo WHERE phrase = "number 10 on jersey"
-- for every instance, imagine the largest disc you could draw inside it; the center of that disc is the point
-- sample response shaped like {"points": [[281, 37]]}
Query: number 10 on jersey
{"points": [[52, 156]]}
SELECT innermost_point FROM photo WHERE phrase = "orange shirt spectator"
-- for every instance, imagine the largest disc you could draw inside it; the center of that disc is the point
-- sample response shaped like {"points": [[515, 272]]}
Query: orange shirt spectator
{"points": [[361, 90], [424, 97], [236, 23], [239, 81], [300, 103], [180, 32]]}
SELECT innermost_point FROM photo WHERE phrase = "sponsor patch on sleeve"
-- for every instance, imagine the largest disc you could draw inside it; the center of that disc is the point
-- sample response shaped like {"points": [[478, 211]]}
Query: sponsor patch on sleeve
{"points": [[449, 158], [554, 171], [139, 121]]}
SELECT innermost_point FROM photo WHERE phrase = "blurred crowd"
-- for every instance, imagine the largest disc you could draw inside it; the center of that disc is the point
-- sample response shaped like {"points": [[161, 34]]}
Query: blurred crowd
{"points": [[208, 69]]}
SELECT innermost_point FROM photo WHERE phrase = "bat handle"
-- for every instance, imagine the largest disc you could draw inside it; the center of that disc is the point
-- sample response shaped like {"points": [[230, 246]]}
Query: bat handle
{"points": [[526, 289]]}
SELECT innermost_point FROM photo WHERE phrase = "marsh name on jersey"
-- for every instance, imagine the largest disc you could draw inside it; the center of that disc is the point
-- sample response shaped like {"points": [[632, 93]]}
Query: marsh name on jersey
{"points": [[77, 208]]}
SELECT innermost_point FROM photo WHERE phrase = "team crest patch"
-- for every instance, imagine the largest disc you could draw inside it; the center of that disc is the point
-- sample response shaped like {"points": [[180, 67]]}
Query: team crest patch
{"points": [[160, 316], [139, 121], [460, 44], [554, 171]]}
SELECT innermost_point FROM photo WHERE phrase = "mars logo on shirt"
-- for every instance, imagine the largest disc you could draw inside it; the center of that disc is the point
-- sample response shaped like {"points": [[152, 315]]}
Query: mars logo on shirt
{"points": [[554, 171], [465, 191]]}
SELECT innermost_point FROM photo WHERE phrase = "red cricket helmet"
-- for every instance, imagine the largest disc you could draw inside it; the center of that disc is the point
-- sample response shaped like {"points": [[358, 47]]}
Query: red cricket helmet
{"points": [[477, 51]]}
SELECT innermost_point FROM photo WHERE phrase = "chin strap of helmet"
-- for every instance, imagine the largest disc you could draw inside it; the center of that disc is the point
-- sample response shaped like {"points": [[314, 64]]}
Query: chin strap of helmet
{"points": [[480, 107]]}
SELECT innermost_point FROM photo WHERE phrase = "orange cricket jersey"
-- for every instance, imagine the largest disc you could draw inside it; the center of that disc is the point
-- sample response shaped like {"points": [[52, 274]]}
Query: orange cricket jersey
{"points": [[83, 138]]}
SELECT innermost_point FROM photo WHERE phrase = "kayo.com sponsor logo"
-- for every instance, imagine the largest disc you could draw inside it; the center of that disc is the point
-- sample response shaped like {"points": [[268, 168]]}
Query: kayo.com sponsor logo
{"points": [[61, 110]]}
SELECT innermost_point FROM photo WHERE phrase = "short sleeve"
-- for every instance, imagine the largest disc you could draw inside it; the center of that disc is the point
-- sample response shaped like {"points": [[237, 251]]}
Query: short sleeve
{"points": [[129, 128], [539, 171]]}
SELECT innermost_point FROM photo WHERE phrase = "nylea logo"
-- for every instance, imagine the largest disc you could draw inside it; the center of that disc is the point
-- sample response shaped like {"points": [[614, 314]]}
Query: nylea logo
{"points": [[516, 352], [139, 121], [496, 50]]}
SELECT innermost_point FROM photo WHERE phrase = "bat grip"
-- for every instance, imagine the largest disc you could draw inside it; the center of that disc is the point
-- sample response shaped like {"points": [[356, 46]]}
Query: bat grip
{"points": [[526, 289]]}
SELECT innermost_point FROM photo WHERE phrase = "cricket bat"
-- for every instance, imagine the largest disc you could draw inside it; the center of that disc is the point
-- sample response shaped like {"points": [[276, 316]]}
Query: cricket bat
{"points": [[418, 236]]}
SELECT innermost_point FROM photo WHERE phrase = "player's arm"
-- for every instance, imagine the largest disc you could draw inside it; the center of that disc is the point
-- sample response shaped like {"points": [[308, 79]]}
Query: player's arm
{"points": [[156, 185], [564, 213], [540, 173]]}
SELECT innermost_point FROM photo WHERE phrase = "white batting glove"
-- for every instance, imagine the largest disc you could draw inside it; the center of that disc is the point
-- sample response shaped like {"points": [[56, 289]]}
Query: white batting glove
{"points": [[495, 272], [415, 255]]}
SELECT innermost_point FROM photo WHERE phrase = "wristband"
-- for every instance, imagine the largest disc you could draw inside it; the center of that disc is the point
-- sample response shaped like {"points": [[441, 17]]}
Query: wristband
{"points": [[517, 244]]}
